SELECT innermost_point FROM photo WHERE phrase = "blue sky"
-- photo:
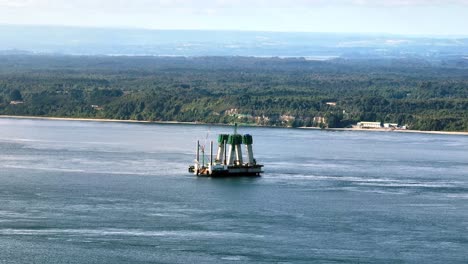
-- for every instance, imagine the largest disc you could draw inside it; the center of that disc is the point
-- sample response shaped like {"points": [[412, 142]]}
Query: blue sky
{"points": [[421, 17]]}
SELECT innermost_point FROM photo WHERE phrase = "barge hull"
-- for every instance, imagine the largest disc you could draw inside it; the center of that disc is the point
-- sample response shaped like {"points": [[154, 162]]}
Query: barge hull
{"points": [[231, 171], [228, 174], [236, 173]]}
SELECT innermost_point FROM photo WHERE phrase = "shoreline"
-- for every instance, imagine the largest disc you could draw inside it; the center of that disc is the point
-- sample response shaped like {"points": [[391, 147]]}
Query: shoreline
{"points": [[462, 133], [97, 120]]}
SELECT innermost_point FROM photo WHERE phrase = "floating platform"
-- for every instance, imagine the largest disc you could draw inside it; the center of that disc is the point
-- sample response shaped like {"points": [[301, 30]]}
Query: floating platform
{"points": [[229, 161], [228, 171]]}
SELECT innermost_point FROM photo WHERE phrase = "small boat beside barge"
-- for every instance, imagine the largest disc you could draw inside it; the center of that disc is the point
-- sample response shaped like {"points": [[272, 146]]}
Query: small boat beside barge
{"points": [[229, 161]]}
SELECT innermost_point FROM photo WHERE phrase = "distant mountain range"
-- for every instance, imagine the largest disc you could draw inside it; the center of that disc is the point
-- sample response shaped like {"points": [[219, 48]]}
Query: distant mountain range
{"points": [[314, 46]]}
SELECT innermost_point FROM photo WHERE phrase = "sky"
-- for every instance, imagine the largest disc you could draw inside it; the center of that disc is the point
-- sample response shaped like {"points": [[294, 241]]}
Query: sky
{"points": [[409, 17]]}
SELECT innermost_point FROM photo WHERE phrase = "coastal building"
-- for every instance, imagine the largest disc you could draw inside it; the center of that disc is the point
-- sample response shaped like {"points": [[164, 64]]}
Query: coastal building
{"points": [[365, 124], [319, 119], [391, 125], [245, 116], [231, 112], [97, 107], [287, 118]]}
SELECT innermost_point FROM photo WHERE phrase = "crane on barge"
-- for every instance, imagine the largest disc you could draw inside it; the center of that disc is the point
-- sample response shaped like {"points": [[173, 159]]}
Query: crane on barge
{"points": [[229, 160]]}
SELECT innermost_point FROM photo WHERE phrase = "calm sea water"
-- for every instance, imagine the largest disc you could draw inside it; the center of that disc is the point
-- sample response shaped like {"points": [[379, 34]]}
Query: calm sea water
{"points": [[91, 192]]}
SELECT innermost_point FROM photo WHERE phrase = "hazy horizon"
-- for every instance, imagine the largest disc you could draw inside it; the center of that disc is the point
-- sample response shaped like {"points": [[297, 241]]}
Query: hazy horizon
{"points": [[396, 17], [435, 36], [167, 42]]}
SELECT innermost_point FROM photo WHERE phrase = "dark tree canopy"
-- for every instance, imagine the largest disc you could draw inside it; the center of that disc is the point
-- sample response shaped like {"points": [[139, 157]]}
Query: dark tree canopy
{"points": [[15, 95], [265, 91]]}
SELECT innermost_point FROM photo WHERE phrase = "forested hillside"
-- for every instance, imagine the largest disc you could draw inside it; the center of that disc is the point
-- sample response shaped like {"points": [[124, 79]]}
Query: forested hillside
{"points": [[266, 91]]}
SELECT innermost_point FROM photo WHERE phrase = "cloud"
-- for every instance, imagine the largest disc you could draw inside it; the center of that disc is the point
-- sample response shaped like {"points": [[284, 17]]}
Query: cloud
{"points": [[14, 3], [394, 16], [400, 3], [132, 5]]}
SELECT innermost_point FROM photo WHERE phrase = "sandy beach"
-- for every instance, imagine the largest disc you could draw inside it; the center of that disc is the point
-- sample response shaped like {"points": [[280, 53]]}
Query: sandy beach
{"points": [[388, 130], [96, 120], [200, 123]]}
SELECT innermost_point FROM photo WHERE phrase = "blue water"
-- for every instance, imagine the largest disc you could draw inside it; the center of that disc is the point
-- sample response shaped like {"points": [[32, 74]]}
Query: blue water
{"points": [[92, 192]]}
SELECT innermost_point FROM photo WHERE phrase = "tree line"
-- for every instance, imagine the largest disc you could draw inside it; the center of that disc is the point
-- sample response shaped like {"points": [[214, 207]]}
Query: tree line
{"points": [[264, 91]]}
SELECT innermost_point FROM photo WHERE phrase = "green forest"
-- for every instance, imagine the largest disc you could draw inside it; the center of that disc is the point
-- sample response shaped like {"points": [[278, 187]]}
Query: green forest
{"points": [[293, 92]]}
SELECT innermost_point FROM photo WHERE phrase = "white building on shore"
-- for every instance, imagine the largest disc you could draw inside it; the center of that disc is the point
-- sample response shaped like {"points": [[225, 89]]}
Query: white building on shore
{"points": [[365, 124], [391, 125]]}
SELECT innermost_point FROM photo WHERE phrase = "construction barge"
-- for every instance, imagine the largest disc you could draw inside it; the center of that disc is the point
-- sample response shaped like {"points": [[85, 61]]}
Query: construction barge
{"points": [[229, 161]]}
